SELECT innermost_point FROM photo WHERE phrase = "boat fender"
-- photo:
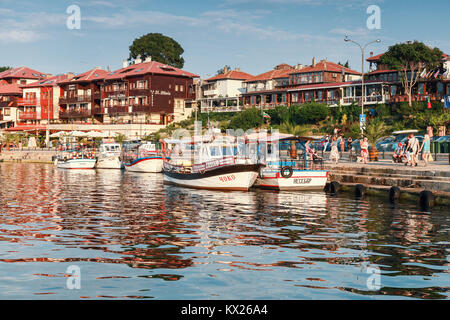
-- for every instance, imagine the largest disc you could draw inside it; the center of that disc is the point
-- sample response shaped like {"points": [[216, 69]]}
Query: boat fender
{"points": [[287, 174], [360, 190], [426, 199], [334, 187], [394, 194]]}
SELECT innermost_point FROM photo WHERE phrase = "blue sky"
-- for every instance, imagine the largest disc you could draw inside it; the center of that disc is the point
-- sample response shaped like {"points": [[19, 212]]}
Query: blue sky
{"points": [[254, 35]]}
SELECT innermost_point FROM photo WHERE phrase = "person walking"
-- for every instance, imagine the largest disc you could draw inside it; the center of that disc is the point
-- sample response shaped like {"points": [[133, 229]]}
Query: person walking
{"points": [[412, 149], [327, 141], [334, 155], [365, 150], [342, 144], [425, 149]]}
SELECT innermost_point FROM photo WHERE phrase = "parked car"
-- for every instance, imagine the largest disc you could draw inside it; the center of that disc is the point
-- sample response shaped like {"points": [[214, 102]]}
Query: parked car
{"points": [[383, 143]]}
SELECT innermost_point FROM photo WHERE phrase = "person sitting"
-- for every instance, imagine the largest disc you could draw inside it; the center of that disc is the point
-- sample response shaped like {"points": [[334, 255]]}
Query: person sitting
{"points": [[398, 155]]}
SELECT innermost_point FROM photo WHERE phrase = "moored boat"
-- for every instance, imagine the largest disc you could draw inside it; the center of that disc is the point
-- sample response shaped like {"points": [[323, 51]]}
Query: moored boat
{"points": [[291, 165], [72, 159], [142, 157], [109, 155], [215, 167]]}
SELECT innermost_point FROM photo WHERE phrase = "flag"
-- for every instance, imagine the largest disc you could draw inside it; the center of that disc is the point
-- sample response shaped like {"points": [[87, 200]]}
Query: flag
{"points": [[266, 115], [429, 102], [447, 102], [424, 73]]}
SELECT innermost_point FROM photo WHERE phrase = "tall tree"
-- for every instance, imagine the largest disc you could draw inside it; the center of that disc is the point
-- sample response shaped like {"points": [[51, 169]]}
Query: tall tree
{"points": [[4, 68], [411, 59], [160, 47]]}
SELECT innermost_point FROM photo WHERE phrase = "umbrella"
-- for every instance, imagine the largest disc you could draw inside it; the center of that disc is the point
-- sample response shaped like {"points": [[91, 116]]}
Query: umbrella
{"points": [[78, 134], [57, 134], [95, 134]]}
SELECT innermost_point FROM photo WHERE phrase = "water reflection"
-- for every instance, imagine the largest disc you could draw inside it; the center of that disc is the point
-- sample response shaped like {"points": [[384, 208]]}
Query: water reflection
{"points": [[135, 237]]}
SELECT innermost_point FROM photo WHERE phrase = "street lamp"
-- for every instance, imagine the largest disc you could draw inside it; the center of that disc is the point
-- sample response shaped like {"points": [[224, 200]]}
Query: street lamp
{"points": [[363, 48]]}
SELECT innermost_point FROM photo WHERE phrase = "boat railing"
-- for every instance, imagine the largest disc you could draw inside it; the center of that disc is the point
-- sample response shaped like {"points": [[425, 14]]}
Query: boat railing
{"points": [[201, 167], [310, 164]]}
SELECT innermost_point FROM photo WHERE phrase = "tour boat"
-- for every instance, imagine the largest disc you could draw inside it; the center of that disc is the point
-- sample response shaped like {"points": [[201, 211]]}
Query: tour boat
{"points": [[207, 165], [75, 160], [290, 165], [109, 156], [142, 157]]}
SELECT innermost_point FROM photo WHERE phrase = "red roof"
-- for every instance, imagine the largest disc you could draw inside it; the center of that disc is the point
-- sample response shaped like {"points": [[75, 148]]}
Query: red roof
{"points": [[232, 74], [377, 58], [52, 81], [152, 67], [22, 73], [10, 89], [382, 71], [272, 74], [88, 76], [326, 66]]}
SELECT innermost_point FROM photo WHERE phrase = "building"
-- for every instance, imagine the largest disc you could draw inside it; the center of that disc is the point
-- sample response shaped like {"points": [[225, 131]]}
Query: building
{"points": [[323, 82], [10, 92], [81, 99], [432, 84], [39, 104], [222, 92], [147, 92]]}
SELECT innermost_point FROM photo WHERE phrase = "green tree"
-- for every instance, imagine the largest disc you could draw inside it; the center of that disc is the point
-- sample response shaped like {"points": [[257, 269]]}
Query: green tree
{"points": [[375, 130], [160, 47], [222, 71], [296, 130], [4, 68], [247, 119], [411, 59]]}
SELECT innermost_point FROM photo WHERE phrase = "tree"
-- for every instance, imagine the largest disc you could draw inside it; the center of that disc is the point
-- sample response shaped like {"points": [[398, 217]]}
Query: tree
{"points": [[411, 59], [222, 71], [375, 130], [4, 68], [296, 130], [160, 48]]}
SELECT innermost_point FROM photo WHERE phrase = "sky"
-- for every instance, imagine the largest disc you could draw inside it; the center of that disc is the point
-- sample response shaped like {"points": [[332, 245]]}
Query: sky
{"points": [[254, 35]]}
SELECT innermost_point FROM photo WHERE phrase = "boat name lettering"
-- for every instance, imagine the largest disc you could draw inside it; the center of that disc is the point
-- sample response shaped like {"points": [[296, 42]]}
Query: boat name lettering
{"points": [[227, 178], [302, 181]]}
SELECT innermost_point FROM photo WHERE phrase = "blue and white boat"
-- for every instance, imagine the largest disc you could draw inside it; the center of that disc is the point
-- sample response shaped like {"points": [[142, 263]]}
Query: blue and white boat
{"points": [[290, 165], [72, 159], [142, 157]]}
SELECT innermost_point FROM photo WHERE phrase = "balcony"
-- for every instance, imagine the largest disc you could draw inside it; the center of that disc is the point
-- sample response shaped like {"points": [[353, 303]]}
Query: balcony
{"points": [[210, 93], [73, 100], [27, 102], [27, 115], [118, 109], [97, 96], [139, 92], [141, 108], [98, 110], [74, 114], [8, 104], [367, 100]]}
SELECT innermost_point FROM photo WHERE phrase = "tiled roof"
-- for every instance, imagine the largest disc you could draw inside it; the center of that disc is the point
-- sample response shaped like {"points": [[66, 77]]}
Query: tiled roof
{"points": [[377, 58], [272, 74], [382, 71], [10, 89], [52, 81], [148, 68], [232, 74], [22, 73], [88, 76], [326, 66]]}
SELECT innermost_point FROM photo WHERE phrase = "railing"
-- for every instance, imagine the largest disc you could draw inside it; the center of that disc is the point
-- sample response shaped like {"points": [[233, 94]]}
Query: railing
{"points": [[8, 104], [141, 108], [27, 101], [27, 115], [98, 110], [368, 99], [311, 164], [74, 114], [118, 109], [222, 109], [200, 168], [68, 100], [139, 92]]}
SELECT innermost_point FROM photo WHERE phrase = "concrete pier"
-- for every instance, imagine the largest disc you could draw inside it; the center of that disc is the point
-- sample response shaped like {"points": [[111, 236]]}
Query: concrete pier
{"points": [[28, 155]]}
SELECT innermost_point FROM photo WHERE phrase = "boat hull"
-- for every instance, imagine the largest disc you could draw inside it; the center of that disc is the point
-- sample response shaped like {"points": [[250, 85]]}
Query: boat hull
{"points": [[151, 165], [233, 178], [109, 163], [300, 180], [76, 164]]}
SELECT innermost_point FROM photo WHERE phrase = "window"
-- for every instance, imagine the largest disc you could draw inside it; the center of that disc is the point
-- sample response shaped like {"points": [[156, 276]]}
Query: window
{"points": [[181, 88], [7, 111], [320, 95], [295, 97], [176, 87]]}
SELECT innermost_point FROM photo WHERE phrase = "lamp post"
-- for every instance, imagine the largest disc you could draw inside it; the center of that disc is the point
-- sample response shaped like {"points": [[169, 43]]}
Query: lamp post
{"points": [[363, 48]]}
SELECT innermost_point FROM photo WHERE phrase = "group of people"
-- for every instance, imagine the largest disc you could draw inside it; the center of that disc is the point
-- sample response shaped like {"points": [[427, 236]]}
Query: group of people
{"points": [[336, 143], [411, 150]]}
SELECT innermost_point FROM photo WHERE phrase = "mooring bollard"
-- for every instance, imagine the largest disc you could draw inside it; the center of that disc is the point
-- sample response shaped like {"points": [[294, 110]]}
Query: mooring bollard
{"points": [[426, 199], [394, 194], [360, 190], [335, 187]]}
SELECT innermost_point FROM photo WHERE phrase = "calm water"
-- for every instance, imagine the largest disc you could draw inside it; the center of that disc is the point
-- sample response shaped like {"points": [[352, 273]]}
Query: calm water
{"points": [[133, 237]]}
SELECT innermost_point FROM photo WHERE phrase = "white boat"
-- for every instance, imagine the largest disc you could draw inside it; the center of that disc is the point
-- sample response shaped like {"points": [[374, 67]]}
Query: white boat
{"points": [[75, 160], [109, 156], [214, 167], [290, 165], [142, 157]]}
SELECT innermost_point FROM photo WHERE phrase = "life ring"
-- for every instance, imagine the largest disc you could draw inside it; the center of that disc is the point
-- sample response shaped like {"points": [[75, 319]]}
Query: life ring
{"points": [[289, 174]]}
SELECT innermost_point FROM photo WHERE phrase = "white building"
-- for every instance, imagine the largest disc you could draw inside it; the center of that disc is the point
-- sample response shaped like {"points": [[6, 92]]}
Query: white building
{"points": [[222, 92]]}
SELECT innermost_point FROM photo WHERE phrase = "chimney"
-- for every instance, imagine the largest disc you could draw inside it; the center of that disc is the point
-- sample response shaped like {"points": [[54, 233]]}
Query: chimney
{"points": [[148, 59], [314, 62], [225, 69], [125, 63], [371, 53], [138, 59], [70, 75], [238, 69]]}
